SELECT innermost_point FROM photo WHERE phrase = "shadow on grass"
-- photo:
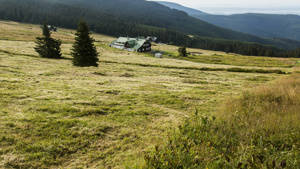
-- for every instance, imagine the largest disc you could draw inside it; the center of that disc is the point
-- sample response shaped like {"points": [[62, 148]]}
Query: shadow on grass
{"points": [[277, 71], [22, 54]]}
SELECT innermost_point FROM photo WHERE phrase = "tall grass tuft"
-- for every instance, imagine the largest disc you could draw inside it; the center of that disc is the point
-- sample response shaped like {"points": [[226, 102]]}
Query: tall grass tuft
{"points": [[274, 106]]}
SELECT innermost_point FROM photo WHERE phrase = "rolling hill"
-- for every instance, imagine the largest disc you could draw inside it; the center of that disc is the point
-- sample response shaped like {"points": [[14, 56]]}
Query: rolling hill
{"points": [[264, 25], [190, 11], [125, 17]]}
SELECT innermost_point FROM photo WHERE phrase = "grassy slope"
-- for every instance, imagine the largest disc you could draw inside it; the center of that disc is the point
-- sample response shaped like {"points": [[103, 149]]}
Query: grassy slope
{"points": [[53, 114]]}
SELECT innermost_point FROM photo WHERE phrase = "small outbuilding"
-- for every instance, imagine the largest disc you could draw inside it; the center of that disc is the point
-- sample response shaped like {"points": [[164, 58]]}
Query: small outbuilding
{"points": [[52, 28], [151, 39], [158, 55]]}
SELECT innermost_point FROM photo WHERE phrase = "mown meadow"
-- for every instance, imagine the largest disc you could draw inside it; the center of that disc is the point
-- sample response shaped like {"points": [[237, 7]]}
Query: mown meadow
{"points": [[112, 116]]}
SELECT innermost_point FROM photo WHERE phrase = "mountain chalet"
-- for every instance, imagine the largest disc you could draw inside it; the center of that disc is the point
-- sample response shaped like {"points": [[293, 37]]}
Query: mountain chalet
{"points": [[139, 44]]}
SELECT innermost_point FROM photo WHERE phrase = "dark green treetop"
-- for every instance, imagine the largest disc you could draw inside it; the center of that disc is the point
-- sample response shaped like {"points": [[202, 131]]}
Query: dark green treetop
{"points": [[48, 47], [84, 52]]}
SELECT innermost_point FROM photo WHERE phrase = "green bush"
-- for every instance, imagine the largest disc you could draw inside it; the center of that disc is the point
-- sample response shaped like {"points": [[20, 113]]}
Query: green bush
{"points": [[204, 143]]}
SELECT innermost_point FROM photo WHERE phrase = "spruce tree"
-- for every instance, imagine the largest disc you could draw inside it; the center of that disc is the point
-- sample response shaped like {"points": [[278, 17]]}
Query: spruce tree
{"points": [[48, 47], [84, 52], [182, 51]]}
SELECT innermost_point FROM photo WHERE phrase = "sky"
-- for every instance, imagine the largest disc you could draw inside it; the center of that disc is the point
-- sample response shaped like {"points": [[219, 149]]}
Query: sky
{"points": [[238, 3], [228, 7]]}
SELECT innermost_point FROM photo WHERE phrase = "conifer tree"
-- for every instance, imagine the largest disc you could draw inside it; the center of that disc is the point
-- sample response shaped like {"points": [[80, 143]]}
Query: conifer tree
{"points": [[84, 51], [48, 47], [182, 51]]}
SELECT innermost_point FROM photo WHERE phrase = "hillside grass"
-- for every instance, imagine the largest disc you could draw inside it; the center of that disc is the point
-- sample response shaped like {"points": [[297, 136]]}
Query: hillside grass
{"points": [[56, 115], [216, 57]]}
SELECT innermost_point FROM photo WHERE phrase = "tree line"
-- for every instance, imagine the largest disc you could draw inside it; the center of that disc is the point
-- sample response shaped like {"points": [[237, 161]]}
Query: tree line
{"points": [[243, 48], [33, 11]]}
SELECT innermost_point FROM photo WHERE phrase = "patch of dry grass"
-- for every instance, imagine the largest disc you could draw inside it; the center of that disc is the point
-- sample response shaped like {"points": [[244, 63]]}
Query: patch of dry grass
{"points": [[271, 105]]}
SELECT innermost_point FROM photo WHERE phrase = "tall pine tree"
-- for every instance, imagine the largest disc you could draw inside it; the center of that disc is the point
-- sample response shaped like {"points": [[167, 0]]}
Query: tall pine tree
{"points": [[84, 51], [48, 47]]}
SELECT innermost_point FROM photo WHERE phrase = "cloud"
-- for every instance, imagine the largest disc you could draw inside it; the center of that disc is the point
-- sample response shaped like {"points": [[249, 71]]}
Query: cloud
{"points": [[229, 11]]}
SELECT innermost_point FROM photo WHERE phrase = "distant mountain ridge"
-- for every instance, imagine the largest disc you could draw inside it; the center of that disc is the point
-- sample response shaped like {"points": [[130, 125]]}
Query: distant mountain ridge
{"points": [[265, 25], [190, 11]]}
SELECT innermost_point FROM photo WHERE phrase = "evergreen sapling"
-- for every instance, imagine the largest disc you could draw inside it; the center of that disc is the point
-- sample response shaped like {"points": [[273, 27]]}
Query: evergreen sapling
{"points": [[48, 47], [182, 51]]}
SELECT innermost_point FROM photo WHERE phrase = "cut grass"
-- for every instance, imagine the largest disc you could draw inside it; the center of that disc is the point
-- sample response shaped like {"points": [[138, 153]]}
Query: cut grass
{"points": [[234, 69]]}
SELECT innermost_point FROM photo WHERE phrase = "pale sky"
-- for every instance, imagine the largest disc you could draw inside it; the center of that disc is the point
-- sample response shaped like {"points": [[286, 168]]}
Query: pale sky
{"points": [[238, 3]]}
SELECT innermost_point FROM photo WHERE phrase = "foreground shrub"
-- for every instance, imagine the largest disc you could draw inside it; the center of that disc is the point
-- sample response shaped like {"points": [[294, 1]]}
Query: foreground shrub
{"points": [[258, 130]]}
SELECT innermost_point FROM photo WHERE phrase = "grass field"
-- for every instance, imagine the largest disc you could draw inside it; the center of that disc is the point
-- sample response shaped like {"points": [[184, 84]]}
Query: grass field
{"points": [[56, 115]]}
